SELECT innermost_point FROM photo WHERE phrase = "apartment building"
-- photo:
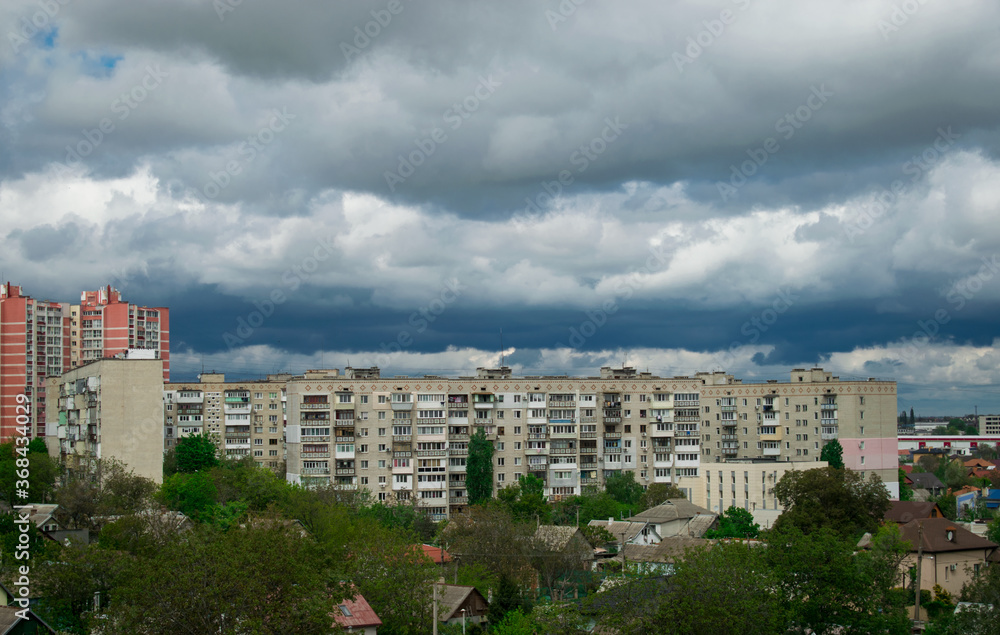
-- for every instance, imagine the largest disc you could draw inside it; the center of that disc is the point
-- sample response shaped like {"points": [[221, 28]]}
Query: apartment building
{"points": [[103, 325], [246, 418], [108, 408], [744, 483], [41, 339], [406, 437], [792, 421], [34, 344]]}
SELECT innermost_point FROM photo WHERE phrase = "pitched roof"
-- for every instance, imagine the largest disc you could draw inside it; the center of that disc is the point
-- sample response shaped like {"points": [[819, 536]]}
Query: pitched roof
{"points": [[905, 511], [906, 468], [9, 619], [981, 472], [671, 509], [554, 536], [436, 554], [453, 596], [358, 613], [935, 536], [926, 480], [979, 463], [667, 550], [618, 527]]}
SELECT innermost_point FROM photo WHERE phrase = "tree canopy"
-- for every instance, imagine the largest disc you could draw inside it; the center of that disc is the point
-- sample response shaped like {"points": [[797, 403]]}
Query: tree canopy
{"points": [[735, 522], [479, 468], [833, 454], [831, 498], [195, 452]]}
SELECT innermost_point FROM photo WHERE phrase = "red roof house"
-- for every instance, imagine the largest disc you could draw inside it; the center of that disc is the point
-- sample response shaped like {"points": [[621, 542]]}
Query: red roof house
{"points": [[356, 616]]}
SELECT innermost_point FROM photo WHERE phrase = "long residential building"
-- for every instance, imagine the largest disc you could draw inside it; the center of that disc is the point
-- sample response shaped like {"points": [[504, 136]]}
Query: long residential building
{"points": [[407, 437], [245, 418], [41, 339]]}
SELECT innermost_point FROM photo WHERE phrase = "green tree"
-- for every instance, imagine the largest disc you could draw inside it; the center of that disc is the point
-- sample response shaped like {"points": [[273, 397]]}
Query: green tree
{"points": [[264, 577], [196, 452], [597, 536], [525, 500], [508, 599], [726, 588], [828, 586], [831, 498], [623, 488], [479, 468], [735, 522], [833, 454], [658, 493], [905, 491], [192, 494], [20, 463], [395, 577]]}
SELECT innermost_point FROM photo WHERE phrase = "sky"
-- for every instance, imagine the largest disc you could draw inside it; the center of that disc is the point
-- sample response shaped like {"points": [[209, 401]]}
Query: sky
{"points": [[738, 185]]}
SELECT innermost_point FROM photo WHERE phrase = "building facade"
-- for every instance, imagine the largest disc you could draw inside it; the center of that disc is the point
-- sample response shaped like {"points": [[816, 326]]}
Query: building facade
{"points": [[103, 325], [407, 437], [112, 408], [744, 483], [792, 421], [34, 344], [246, 418], [41, 339]]}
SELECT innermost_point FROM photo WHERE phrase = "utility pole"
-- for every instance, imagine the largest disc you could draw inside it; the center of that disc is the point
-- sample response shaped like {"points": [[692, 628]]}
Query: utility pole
{"points": [[435, 608], [916, 583]]}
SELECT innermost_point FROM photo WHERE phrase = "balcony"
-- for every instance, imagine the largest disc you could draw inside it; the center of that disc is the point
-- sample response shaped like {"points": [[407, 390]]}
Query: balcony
{"points": [[431, 422], [727, 408], [482, 421], [316, 439], [588, 419], [453, 436], [348, 405], [775, 451], [458, 404], [315, 471], [402, 438], [588, 450], [345, 471], [690, 419], [612, 435], [314, 406], [308, 456], [561, 404], [562, 450], [683, 403], [458, 451], [402, 405], [345, 439], [343, 422], [828, 435], [612, 450], [612, 419], [730, 451], [536, 451], [432, 452], [828, 406], [588, 481]]}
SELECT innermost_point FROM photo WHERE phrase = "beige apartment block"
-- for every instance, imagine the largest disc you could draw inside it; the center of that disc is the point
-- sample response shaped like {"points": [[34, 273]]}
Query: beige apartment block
{"points": [[245, 418], [744, 483], [112, 408], [407, 437], [792, 421]]}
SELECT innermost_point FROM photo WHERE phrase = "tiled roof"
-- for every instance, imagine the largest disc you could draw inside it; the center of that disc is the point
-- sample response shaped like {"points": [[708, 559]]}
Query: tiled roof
{"points": [[671, 509], [905, 511], [935, 536], [926, 480], [667, 550], [618, 527], [358, 613], [435, 554]]}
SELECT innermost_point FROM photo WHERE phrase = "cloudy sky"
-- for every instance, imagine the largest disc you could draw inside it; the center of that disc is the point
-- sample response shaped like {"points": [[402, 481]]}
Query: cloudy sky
{"points": [[744, 185]]}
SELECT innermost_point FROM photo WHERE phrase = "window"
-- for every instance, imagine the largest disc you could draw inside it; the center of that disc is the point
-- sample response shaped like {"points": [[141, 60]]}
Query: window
{"points": [[517, 429], [499, 461], [500, 477]]}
